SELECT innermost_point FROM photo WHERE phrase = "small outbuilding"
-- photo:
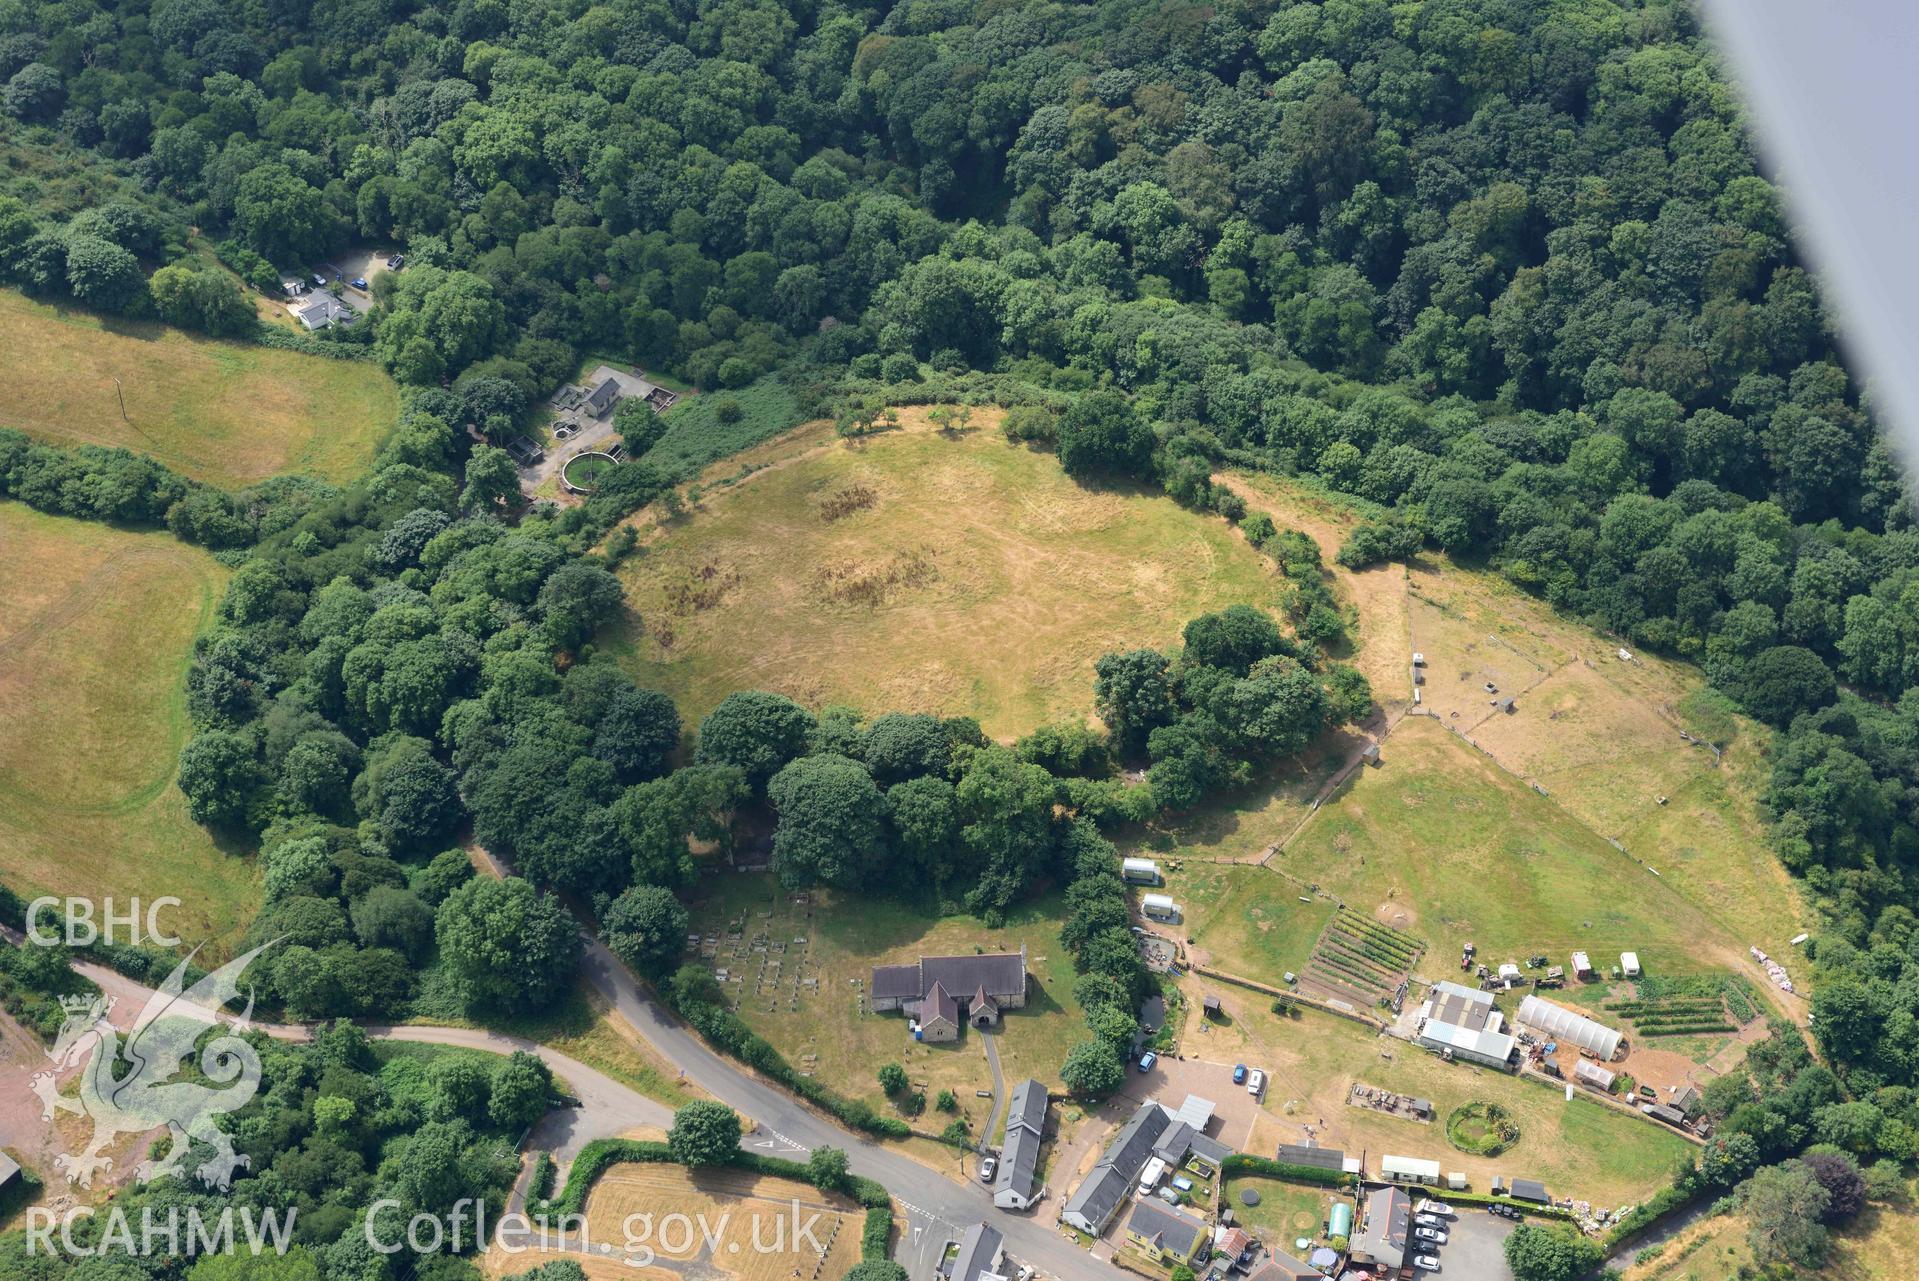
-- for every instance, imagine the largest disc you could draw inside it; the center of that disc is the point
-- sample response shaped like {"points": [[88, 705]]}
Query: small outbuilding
{"points": [[1370, 754], [1528, 1190], [1408, 1169], [1660, 1112], [1629, 964], [1140, 871], [1582, 966], [1592, 1074], [1212, 1007], [1160, 907], [1456, 1180]]}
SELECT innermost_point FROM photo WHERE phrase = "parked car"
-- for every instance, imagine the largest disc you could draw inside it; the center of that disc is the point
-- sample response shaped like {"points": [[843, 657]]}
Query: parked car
{"points": [[1256, 1083], [1430, 1234], [1147, 1060], [1437, 1209], [1239, 1074], [1425, 1263], [1430, 1221], [359, 282], [988, 1165], [319, 280], [395, 262]]}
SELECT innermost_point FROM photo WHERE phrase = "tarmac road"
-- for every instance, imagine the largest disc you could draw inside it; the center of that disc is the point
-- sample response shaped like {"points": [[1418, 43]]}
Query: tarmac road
{"points": [[936, 1208]]}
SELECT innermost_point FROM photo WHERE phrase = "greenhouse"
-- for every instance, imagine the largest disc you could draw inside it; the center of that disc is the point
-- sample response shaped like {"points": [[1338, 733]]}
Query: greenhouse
{"points": [[1562, 1024]]}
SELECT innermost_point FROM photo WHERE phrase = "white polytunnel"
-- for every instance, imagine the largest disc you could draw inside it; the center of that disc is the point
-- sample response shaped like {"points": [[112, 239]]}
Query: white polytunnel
{"points": [[1563, 1024]]}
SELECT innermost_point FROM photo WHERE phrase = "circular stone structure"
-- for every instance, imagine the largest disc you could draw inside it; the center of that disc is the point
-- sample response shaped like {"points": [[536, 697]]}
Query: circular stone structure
{"points": [[582, 471]]}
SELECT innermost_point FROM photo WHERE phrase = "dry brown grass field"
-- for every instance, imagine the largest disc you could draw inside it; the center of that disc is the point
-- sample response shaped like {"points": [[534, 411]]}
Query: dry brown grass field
{"points": [[96, 625], [919, 570], [808, 998], [1879, 1245], [631, 1205], [226, 413], [1581, 1148]]}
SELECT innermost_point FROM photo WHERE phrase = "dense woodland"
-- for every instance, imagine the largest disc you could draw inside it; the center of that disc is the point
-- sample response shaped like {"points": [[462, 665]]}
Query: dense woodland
{"points": [[1503, 270]]}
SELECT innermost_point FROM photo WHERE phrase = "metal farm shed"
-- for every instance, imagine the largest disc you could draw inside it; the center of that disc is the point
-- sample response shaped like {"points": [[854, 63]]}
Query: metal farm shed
{"points": [[1563, 1024]]}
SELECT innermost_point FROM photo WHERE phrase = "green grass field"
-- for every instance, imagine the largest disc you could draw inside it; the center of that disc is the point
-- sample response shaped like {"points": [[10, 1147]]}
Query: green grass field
{"points": [[823, 1028], [1462, 851], [226, 413], [1248, 920], [95, 630], [697, 432], [969, 577]]}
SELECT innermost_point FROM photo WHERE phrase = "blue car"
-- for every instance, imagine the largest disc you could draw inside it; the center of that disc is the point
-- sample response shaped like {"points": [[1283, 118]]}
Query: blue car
{"points": [[1239, 1074], [1147, 1060]]}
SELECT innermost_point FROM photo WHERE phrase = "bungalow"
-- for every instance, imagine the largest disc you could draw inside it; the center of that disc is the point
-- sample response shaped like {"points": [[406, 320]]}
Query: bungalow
{"points": [[1101, 1193], [1013, 1185], [980, 1252], [1166, 1234]]}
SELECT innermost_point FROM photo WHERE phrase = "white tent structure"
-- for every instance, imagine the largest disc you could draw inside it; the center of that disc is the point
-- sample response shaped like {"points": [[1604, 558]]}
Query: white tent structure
{"points": [[1563, 1024]]}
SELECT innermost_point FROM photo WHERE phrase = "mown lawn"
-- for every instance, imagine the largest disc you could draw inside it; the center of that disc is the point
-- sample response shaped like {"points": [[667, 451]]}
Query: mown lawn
{"points": [[96, 626], [226, 413], [1286, 1211]]}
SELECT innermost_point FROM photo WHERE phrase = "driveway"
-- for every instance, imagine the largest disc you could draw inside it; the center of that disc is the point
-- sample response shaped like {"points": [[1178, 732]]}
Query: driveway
{"points": [[1476, 1247], [1171, 1080]]}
